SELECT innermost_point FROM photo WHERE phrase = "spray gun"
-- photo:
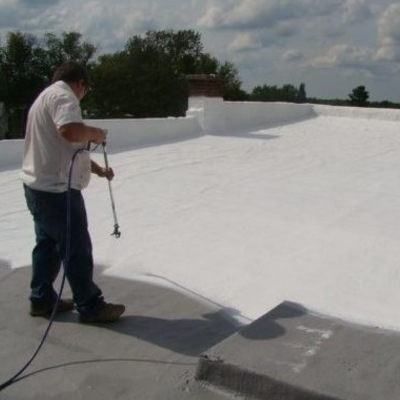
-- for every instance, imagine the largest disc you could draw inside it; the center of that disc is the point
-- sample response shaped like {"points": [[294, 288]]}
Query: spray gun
{"points": [[116, 231]]}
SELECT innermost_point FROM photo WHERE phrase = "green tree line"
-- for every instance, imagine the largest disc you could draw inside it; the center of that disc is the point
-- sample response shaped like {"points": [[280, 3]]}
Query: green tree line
{"points": [[147, 78]]}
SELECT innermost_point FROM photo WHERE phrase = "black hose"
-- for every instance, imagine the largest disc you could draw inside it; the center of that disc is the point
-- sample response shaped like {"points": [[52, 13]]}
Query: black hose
{"points": [[14, 378]]}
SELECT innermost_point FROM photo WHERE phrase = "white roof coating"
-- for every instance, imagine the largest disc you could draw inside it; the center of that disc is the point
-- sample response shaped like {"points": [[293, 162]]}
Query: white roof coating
{"points": [[307, 212]]}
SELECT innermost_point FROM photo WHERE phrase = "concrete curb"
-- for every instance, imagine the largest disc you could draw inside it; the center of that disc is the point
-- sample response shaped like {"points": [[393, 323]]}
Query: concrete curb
{"points": [[245, 382], [291, 353]]}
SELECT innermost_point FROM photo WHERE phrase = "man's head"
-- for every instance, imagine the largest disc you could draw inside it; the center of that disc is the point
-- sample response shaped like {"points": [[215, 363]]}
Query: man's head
{"points": [[74, 75]]}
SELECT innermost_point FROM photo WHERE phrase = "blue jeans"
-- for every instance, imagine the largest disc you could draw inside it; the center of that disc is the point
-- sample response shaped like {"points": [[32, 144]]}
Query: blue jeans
{"points": [[50, 214]]}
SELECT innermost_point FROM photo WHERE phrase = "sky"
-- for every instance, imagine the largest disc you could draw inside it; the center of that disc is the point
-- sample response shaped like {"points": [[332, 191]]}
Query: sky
{"points": [[306, 212], [332, 46]]}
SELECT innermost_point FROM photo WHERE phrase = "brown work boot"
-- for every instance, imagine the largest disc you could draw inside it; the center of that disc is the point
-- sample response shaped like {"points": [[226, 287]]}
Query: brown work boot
{"points": [[41, 309], [106, 313]]}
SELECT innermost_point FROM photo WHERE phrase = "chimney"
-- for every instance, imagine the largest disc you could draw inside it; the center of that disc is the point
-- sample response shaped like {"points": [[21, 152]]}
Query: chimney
{"points": [[206, 102], [203, 85]]}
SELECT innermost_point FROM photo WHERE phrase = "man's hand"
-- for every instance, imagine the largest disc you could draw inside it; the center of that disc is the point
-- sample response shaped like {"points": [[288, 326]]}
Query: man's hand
{"points": [[106, 173], [101, 171]]}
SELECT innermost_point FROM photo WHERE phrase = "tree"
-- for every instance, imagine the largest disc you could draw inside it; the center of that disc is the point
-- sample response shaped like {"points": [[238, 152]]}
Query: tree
{"points": [[26, 67], [148, 78], [182, 48], [302, 96], [140, 81], [287, 93], [359, 97], [22, 76], [232, 84], [68, 46], [264, 93], [110, 91]]}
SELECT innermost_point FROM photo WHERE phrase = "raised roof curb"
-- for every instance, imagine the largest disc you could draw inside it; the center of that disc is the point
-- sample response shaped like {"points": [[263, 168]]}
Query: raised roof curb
{"points": [[291, 353]]}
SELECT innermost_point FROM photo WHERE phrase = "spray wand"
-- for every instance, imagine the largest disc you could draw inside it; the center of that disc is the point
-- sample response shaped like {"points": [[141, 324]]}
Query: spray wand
{"points": [[116, 231]]}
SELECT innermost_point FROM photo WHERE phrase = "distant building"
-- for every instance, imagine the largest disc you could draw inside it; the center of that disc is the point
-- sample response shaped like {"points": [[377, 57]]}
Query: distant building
{"points": [[3, 121]]}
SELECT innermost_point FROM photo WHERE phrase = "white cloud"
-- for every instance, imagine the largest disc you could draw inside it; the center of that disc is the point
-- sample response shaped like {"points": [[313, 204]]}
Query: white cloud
{"points": [[354, 11], [281, 22], [113, 24], [381, 61], [258, 14], [39, 3], [343, 55], [214, 16], [245, 42], [389, 34], [102, 22], [286, 29], [293, 55], [8, 13]]}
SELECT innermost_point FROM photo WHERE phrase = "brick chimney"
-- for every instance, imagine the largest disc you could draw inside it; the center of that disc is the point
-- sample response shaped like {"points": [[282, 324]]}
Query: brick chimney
{"points": [[206, 102], [202, 85]]}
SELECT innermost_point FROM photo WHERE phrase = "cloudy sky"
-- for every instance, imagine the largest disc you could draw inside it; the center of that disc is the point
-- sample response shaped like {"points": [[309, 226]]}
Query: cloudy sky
{"points": [[330, 45]]}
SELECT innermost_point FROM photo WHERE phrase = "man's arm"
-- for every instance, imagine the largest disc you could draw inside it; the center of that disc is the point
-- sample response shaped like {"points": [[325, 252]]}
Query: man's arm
{"points": [[79, 132], [102, 172]]}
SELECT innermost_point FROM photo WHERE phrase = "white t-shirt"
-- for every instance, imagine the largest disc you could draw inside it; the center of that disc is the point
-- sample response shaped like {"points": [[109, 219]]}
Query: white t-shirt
{"points": [[47, 155]]}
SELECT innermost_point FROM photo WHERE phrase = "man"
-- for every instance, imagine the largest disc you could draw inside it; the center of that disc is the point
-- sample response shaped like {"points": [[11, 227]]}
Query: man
{"points": [[56, 134]]}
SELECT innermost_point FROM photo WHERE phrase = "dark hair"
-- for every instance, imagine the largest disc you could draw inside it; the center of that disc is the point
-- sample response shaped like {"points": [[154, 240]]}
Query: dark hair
{"points": [[70, 72]]}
